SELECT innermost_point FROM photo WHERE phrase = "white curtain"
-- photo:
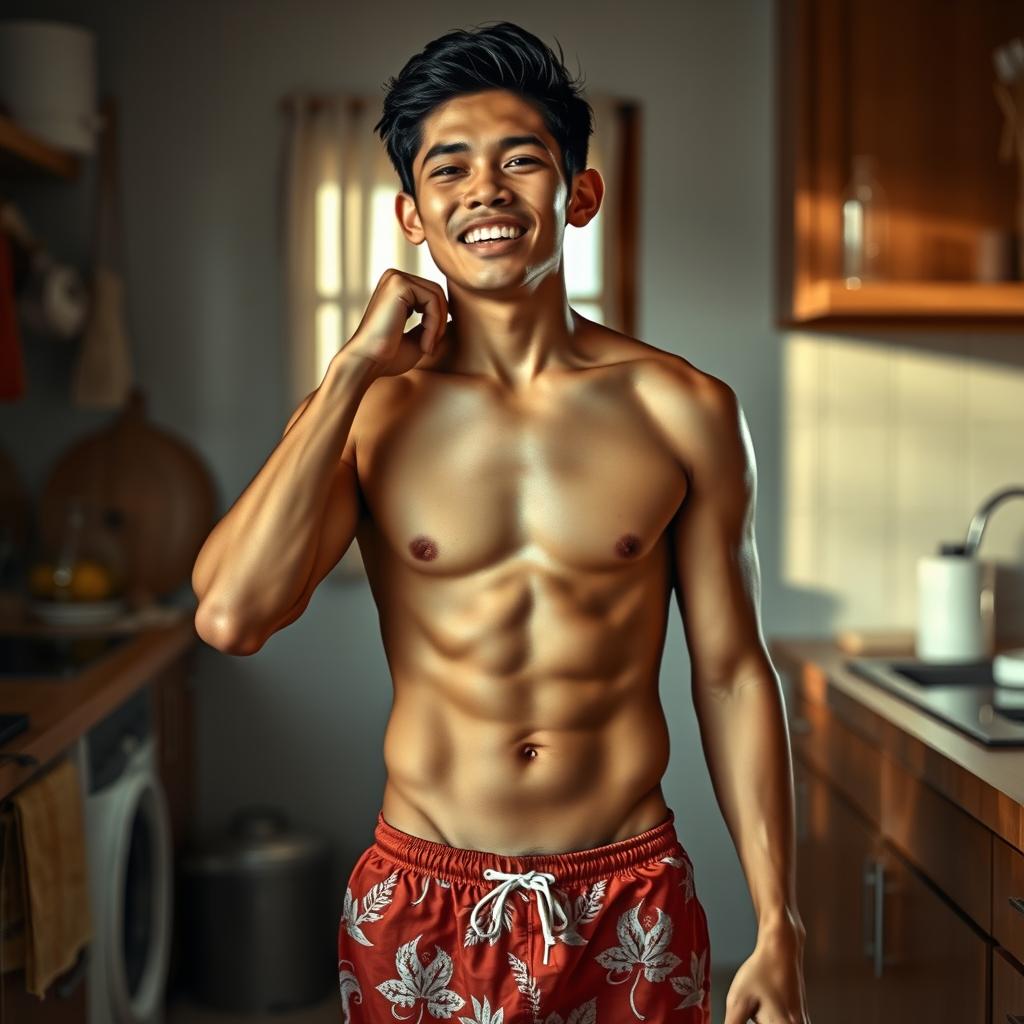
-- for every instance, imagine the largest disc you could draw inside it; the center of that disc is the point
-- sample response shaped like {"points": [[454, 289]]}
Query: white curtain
{"points": [[340, 231]]}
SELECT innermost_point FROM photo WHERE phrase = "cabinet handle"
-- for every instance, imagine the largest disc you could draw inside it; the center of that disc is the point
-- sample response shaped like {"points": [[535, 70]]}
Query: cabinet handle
{"points": [[1017, 903], [879, 917], [874, 926], [867, 881]]}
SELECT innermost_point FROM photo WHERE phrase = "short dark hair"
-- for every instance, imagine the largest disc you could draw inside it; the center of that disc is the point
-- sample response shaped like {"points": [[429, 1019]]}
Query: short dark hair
{"points": [[498, 56]]}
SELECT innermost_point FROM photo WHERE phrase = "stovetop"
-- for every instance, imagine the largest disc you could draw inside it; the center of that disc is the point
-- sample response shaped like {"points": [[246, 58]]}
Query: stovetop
{"points": [[61, 655], [964, 695]]}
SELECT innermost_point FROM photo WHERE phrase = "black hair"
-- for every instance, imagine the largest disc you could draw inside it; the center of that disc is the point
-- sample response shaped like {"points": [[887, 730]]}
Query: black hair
{"points": [[498, 56]]}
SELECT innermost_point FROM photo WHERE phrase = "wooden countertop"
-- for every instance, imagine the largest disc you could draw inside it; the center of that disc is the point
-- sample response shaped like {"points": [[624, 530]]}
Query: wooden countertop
{"points": [[64, 708], [987, 782]]}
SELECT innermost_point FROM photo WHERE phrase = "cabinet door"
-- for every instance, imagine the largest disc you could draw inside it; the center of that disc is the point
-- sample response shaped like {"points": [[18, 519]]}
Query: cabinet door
{"points": [[932, 960], [1007, 989], [835, 848]]}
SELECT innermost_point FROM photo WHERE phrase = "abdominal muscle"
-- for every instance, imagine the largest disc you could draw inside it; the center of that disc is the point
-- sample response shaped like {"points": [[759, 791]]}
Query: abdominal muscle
{"points": [[479, 774]]}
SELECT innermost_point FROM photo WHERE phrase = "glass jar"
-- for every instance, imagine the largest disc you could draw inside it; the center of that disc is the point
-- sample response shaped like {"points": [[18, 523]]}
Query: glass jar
{"points": [[90, 561]]}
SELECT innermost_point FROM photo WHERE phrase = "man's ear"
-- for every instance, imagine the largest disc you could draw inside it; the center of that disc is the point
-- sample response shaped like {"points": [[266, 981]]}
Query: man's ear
{"points": [[409, 218], [587, 193]]}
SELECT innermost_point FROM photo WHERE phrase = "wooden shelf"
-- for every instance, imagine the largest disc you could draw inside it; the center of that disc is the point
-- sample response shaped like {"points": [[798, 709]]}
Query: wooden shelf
{"points": [[832, 299], [22, 154]]}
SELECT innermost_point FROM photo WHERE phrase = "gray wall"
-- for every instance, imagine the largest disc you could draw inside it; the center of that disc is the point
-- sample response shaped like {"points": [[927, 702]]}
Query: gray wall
{"points": [[301, 723]]}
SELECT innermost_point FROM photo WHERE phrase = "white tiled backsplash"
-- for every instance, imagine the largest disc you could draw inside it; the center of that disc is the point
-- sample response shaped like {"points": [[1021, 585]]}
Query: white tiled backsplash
{"points": [[887, 451]]}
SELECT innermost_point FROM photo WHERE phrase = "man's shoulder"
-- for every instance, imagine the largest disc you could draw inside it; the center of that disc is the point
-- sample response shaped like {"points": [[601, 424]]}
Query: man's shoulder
{"points": [[686, 402]]}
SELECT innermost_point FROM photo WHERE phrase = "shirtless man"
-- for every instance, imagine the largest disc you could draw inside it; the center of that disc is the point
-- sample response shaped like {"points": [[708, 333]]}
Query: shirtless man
{"points": [[528, 488]]}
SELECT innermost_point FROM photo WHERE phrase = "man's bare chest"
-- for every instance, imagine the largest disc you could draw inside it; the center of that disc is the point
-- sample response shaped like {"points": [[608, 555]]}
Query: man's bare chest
{"points": [[456, 480]]}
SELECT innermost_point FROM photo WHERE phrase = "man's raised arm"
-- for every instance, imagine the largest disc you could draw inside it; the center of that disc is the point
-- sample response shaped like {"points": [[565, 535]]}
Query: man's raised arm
{"points": [[736, 693], [260, 564]]}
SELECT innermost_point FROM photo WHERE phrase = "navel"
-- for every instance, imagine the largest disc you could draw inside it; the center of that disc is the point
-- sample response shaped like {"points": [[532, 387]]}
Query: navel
{"points": [[423, 548], [627, 545]]}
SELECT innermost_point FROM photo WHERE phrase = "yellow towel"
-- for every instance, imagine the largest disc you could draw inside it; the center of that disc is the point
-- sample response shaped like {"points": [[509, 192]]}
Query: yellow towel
{"points": [[44, 882]]}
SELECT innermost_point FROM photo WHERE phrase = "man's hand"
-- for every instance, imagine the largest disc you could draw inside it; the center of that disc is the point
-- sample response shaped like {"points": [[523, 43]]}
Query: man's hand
{"points": [[381, 336], [768, 988]]}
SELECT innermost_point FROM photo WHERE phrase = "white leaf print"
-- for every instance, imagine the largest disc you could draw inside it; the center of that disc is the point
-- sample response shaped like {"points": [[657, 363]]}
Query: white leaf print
{"points": [[508, 919], [692, 986], [585, 1014], [526, 984], [638, 947], [416, 983], [687, 882], [377, 898], [584, 909], [484, 1015], [349, 985], [426, 885]]}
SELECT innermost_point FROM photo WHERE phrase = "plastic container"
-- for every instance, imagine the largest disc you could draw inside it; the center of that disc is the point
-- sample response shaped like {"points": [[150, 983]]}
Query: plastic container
{"points": [[954, 621], [48, 81]]}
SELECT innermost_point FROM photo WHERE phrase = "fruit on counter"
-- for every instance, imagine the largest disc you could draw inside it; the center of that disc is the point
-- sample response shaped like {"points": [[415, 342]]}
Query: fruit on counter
{"points": [[90, 581], [40, 580]]}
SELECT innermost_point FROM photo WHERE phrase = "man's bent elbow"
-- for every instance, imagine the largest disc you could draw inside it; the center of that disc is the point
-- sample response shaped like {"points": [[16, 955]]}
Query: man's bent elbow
{"points": [[221, 632]]}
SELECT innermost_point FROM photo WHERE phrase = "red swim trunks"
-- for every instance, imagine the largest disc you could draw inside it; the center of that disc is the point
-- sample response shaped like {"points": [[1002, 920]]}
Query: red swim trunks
{"points": [[610, 935]]}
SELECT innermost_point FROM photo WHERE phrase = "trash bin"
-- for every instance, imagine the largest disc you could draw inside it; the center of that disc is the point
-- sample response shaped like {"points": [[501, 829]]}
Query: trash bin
{"points": [[258, 916]]}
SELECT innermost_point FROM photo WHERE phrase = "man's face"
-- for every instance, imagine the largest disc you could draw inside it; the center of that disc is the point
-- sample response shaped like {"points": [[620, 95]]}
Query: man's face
{"points": [[506, 165]]}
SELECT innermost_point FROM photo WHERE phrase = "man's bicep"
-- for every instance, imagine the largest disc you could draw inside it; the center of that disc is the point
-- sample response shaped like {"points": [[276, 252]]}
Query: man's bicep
{"points": [[715, 553]]}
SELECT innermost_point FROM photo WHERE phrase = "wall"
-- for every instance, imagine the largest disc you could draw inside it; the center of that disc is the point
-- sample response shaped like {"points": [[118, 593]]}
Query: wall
{"points": [[300, 724]]}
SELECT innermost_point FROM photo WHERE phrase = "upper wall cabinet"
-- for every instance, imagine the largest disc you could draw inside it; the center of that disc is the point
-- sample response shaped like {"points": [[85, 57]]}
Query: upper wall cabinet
{"points": [[900, 134]]}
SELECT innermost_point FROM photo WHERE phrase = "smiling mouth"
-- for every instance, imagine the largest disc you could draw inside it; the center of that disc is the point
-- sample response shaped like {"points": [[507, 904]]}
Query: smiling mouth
{"points": [[494, 245]]}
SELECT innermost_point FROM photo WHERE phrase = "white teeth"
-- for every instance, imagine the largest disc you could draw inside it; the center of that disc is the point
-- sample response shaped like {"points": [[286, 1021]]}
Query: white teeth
{"points": [[483, 234]]}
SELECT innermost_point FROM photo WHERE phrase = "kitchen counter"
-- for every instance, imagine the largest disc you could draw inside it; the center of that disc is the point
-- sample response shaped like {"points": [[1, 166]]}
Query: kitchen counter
{"points": [[986, 782], [62, 709]]}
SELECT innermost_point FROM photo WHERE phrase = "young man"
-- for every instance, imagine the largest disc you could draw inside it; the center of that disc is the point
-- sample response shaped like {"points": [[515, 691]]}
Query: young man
{"points": [[528, 488]]}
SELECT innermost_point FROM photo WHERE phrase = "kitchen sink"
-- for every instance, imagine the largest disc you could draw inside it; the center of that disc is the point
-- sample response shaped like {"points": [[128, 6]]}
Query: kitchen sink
{"points": [[962, 694], [964, 673]]}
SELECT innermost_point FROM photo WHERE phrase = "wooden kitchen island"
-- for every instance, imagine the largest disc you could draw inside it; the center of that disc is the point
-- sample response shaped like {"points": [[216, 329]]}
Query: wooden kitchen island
{"points": [[910, 853]]}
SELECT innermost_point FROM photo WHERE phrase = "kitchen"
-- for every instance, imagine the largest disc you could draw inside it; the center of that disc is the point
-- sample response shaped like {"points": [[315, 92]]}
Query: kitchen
{"points": [[884, 414]]}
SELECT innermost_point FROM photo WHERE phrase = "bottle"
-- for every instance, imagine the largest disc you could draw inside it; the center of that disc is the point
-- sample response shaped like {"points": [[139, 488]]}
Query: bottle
{"points": [[865, 224]]}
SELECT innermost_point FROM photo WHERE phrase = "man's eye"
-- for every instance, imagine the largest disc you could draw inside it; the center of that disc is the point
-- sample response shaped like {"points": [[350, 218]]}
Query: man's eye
{"points": [[451, 167]]}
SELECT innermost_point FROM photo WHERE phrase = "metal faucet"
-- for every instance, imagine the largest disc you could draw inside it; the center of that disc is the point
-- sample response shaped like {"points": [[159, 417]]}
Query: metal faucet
{"points": [[980, 518]]}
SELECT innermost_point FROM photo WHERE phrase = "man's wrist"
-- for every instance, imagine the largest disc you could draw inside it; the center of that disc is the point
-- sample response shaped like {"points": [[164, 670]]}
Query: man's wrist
{"points": [[780, 923], [352, 366]]}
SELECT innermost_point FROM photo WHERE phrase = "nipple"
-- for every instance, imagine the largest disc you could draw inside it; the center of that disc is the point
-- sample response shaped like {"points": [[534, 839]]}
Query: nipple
{"points": [[423, 548], [628, 545]]}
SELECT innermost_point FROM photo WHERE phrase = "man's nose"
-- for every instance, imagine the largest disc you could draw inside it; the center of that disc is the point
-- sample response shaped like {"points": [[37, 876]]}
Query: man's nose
{"points": [[486, 189]]}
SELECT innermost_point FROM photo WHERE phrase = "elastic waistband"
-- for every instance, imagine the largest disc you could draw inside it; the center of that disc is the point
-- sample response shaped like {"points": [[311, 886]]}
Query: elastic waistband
{"points": [[456, 864]]}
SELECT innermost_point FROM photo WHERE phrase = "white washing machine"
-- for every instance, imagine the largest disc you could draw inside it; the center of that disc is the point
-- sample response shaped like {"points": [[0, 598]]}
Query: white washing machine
{"points": [[131, 869]]}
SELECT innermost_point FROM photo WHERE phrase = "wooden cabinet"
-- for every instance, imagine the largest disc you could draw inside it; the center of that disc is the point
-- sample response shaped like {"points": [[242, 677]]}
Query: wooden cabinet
{"points": [[835, 846], [173, 704], [930, 961], [1007, 990], [895, 885], [911, 85]]}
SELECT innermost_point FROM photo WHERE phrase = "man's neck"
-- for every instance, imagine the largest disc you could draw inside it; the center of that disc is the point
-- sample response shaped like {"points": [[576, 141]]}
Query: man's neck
{"points": [[513, 340]]}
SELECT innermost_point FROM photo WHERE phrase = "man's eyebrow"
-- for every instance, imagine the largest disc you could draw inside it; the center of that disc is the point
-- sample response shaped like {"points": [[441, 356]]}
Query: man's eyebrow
{"points": [[444, 148]]}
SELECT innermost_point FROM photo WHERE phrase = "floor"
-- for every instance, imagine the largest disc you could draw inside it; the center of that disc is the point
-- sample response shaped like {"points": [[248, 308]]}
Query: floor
{"points": [[329, 1011]]}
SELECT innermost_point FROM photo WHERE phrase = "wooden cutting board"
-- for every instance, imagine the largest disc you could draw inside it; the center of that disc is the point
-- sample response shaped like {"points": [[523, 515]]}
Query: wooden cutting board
{"points": [[160, 486]]}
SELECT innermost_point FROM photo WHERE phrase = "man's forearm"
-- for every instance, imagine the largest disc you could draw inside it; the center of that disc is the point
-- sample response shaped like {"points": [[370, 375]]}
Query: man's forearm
{"points": [[746, 743], [255, 563]]}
